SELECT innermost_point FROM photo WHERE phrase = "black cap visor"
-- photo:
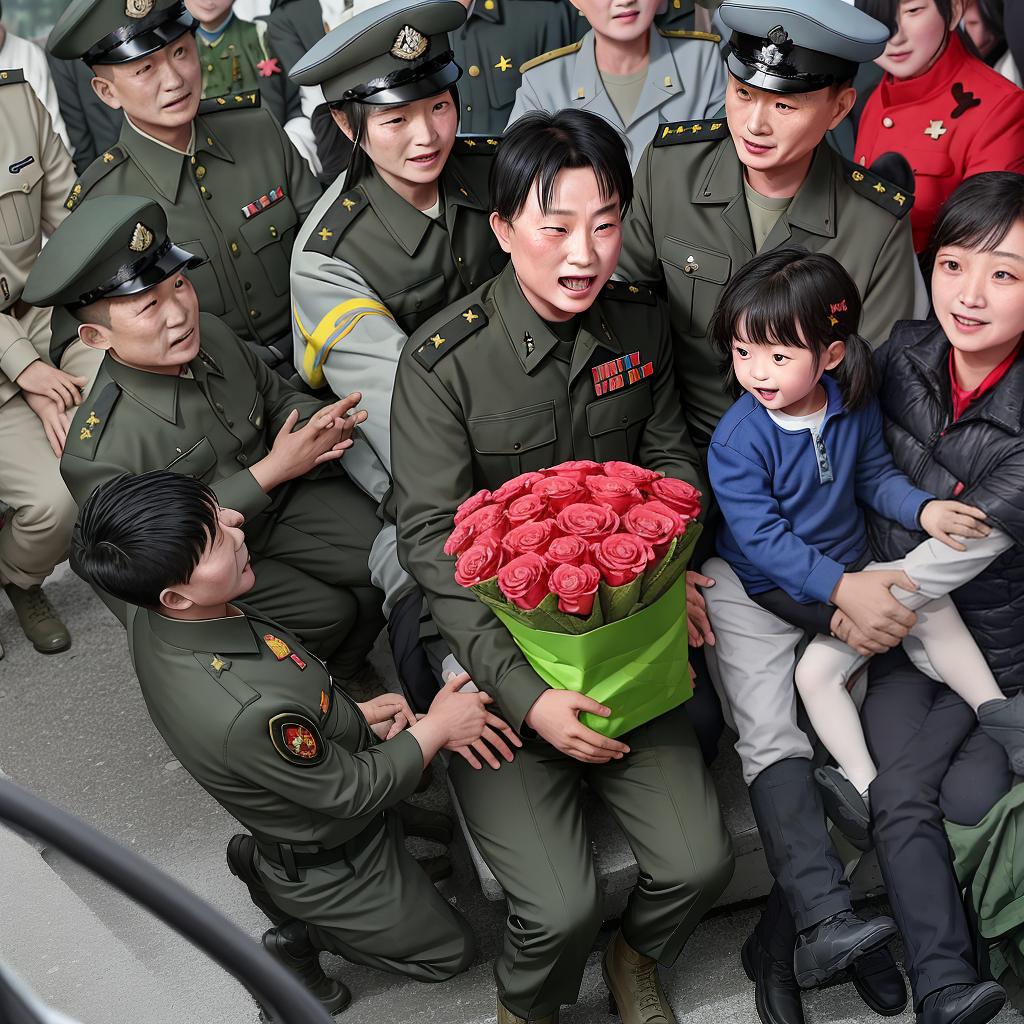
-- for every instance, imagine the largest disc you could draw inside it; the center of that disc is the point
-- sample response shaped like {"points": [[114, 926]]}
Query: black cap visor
{"points": [[133, 42], [142, 274], [798, 69], [407, 84]]}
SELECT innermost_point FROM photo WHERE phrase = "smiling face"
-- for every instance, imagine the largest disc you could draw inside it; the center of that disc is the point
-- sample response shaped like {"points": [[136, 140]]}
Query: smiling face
{"points": [[209, 13], [156, 330], [158, 92], [919, 40], [563, 256], [979, 296], [621, 20], [772, 130], [223, 573]]}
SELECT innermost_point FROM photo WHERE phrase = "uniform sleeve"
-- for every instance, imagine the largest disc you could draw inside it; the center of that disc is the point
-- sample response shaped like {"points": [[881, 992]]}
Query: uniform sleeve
{"points": [[59, 172], [889, 295], [743, 490], [526, 100], [999, 143], [16, 350], [343, 784], [433, 471], [638, 260], [282, 93], [714, 74]]}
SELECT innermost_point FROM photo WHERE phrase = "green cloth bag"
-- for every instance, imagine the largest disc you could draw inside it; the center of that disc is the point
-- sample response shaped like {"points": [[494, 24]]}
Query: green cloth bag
{"points": [[637, 666]]}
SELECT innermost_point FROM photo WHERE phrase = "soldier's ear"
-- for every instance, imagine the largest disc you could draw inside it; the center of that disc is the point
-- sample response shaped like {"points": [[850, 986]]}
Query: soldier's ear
{"points": [[341, 120], [173, 600], [502, 231], [106, 90], [844, 100], [95, 336]]}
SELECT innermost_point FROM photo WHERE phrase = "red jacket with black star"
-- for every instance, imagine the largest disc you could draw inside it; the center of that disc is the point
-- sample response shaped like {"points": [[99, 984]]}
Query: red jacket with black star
{"points": [[957, 119]]}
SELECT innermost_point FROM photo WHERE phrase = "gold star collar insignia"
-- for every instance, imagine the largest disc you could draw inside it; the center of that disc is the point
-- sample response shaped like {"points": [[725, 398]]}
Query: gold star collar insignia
{"points": [[503, 63], [325, 234], [437, 341], [469, 316], [348, 203]]}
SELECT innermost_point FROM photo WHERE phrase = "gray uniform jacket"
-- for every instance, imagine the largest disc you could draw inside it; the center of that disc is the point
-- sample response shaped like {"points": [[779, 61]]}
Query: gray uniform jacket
{"points": [[685, 81]]}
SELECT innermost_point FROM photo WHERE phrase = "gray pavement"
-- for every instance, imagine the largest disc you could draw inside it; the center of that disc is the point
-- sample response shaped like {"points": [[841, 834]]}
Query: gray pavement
{"points": [[74, 729]]}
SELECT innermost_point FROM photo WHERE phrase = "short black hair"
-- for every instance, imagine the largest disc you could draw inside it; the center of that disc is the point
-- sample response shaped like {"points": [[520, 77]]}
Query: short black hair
{"points": [[979, 214], [886, 11], [540, 145], [137, 535], [798, 299]]}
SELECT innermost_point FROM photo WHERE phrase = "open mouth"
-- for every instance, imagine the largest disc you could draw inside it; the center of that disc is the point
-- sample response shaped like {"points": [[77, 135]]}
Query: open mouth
{"points": [[766, 394], [577, 285], [969, 323], [426, 159], [178, 103]]}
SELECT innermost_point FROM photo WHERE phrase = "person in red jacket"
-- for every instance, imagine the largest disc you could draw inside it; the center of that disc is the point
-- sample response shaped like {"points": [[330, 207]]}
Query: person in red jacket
{"points": [[938, 105]]}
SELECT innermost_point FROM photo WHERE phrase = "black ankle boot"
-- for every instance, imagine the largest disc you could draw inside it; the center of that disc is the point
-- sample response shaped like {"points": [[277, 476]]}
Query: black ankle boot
{"points": [[289, 944], [962, 1004], [776, 993], [835, 943]]}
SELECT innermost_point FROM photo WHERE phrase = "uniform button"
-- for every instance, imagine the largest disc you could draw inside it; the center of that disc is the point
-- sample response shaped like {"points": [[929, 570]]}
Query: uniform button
{"points": [[254, 313], [887, 122], [231, 423], [625, 419], [242, 460], [209, 141], [248, 286], [193, 159], [469, 106], [234, 248], [200, 172], [517, 446], [458, 259], [218, 406], [26, 187], [273, 231], [209, 67], [473, 71]]}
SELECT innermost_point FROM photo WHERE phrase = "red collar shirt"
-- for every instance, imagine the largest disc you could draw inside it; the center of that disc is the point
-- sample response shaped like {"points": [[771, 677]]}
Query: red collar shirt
{"points": [[957, 119], [962, 398]]}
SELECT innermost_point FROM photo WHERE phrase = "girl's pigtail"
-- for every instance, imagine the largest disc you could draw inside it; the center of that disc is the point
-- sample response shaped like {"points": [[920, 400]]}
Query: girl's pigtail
{"points": [[856, 373]]}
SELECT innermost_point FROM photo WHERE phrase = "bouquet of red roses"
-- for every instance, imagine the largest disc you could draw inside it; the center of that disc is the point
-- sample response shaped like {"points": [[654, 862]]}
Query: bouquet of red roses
{"points": [[584, 564]]}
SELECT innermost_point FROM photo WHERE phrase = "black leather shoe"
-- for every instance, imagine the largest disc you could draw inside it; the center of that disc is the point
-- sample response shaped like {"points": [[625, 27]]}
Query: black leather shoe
{"points": [[844, 806], [879, 982], [418, 821], [289, 944], [835, 943], [962, 1004], [241, 863], [776, 993]]}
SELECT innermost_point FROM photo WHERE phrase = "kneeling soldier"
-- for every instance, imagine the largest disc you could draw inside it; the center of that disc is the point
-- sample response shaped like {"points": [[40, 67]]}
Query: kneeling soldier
{"points": [[259, 723]]}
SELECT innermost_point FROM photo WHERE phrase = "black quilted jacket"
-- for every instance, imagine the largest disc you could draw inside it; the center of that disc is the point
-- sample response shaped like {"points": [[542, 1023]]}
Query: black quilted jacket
{"points": [[984, 452]]}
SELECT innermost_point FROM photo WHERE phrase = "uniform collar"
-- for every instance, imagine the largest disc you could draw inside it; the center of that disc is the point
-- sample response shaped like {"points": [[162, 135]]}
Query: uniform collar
{"points": [[233, 635], [158, 392], [937, 79], [487, 10], [457, 189], [404, 222]]}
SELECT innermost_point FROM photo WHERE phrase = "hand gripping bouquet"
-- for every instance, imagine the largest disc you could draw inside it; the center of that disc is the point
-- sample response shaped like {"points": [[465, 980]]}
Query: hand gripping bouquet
{"points": [[584, 563]]}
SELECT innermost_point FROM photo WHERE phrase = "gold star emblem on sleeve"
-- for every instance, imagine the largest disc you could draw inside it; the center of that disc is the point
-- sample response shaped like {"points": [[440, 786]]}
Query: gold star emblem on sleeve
{"points": [[470, 143], [716, 125], [492, 142], [469, 316], [107, 157], [878, 187], [935, 130], [899, 198], [93, 420], [216, 664], [857, 176], [325, 234], [437, 341], [633, 288], [347, 203], [84, 434], [503, 63], [697, 128]]}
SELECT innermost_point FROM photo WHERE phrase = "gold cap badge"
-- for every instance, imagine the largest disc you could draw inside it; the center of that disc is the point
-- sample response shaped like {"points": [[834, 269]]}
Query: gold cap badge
{"points": [[138, 8], [409, 44], [142, 238]]}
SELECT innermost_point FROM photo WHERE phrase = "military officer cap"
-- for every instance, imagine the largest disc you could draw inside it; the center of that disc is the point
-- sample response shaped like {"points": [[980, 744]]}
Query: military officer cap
{"points": [[395, 52], [793, 46], [113, 245], [117, 31]]}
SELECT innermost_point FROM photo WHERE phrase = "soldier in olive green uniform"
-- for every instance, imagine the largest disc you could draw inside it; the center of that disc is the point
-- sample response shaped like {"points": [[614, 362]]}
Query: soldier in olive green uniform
{"points": [[218, 416], [235, 189], [696, 219], [258, 721], [489, 389]]}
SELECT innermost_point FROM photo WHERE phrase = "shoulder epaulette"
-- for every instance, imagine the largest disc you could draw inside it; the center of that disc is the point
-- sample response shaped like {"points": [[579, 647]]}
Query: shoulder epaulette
{"points": [[448, 335], [626, 291], [98, 169], [676, 132], [682, 33], [336, 221], [543, 58], [236, 101], [475, 145], [12, 76], [881, 192], [90, 425]]}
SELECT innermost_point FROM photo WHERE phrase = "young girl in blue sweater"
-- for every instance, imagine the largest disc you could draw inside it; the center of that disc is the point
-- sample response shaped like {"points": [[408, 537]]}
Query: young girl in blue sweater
{"points": [[791, 464]]}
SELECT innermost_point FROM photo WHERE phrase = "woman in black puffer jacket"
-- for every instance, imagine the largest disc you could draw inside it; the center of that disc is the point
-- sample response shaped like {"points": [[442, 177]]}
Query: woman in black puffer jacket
{"points": [[934, 762]]}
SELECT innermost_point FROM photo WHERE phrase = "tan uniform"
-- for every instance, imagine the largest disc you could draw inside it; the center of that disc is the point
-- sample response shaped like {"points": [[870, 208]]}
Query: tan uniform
{"points": [[35, 175]]}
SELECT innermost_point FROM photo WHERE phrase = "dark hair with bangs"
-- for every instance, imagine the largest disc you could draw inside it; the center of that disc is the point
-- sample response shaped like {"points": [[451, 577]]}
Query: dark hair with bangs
{"points": [[798, 299], [886, 11], [138, 535], [540, 145], [979, 214]]}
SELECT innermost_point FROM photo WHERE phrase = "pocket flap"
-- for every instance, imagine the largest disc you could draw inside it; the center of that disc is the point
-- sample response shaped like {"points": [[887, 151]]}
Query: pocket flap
{"points": [[514, 432], [617, 412], [930, 162], [417, 297], [703, 264], [269, 226], [195, 462], [22, 181]]}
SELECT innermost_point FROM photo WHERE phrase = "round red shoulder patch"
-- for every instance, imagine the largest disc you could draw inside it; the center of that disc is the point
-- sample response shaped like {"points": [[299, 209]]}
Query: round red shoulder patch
{"points": [[297, 739]]}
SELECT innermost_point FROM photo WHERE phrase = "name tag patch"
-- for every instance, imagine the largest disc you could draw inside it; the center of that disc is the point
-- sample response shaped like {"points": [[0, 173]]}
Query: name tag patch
{"points": [[619, 373]]}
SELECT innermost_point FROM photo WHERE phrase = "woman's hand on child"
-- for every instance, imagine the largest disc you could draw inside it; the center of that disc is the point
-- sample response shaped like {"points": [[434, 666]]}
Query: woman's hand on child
{"points": [[697, 622], [943, 519], [865, 598]]}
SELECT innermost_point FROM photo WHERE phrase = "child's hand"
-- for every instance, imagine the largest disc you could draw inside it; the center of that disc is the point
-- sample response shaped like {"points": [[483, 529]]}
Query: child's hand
{"points": [[942, 519]]}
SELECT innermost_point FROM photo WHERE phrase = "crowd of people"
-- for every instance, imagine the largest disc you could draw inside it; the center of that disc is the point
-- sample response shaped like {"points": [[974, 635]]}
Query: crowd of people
{"points": [[280, 295]]}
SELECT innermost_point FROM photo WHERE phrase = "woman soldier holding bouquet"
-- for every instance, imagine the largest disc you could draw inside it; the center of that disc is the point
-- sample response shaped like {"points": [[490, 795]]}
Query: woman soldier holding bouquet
{"points": [[527, 371]]}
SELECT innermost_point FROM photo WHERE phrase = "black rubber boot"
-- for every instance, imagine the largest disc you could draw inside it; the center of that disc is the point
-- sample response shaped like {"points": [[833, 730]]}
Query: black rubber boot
{"points": [[1003, 721], [289, 944], [241, 863]]}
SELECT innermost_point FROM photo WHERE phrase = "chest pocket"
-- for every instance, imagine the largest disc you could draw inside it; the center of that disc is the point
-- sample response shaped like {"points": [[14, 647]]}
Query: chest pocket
{"points": [[616, 424], [695, 276], [270, 235], [256, 413], [198, 461], [416, 303], [930, 164], [502, 85], [511, 443], [19, 204], [204, 280]]}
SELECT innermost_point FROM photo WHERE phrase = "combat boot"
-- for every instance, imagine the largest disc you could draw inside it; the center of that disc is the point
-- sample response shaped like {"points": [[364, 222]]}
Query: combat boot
{"points": [[289, 944], [508, 1017], [634, 988], [241, 857], [39, 619]]}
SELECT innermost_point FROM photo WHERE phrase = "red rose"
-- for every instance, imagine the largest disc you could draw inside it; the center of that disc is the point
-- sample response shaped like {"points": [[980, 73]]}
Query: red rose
{"points": [[516, 487], [590, 522], [558, 491], [634, 474], [477, 563], [471, 504], [618, 494], [678, 495], [679, 521], [567, 551], [529, 537], [622, 558], [492, 537], [526, 509], [653, 526], [490, 517], [575, 586], [578, 470], [524, 581], [459, 539]]}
